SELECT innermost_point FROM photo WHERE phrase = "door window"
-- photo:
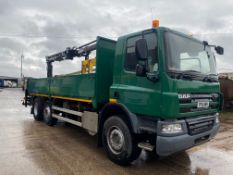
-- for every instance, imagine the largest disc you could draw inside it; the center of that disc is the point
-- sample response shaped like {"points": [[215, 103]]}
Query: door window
{"points": [[152, 46], [130, 59]]}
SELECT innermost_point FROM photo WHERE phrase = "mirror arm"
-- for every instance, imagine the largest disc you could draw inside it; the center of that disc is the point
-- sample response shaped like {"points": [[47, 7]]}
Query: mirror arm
{"points": [[211, 45]]}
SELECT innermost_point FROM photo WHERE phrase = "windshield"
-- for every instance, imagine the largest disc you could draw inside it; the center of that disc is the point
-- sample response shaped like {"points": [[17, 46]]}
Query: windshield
{"points": [[187, 54]]}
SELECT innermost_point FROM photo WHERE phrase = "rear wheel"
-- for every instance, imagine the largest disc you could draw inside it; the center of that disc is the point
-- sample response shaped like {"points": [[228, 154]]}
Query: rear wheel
{"points": [[119, 143], [47, 113], [37, 109]]}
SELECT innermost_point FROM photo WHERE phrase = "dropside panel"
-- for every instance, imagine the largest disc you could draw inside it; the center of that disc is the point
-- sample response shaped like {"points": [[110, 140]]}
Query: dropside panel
{"points": [[38, 86], [74, 86]]}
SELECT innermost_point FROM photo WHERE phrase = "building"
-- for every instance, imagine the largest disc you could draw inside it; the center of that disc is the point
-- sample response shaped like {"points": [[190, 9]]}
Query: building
{"points": [[6, 81]]}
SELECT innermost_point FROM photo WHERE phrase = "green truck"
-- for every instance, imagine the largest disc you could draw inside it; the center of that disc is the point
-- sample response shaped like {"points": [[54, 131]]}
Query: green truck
{"points": [[155, 89]]}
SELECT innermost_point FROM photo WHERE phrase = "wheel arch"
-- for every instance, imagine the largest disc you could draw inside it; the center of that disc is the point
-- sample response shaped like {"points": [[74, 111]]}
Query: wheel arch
{"points": [[120, 110]]}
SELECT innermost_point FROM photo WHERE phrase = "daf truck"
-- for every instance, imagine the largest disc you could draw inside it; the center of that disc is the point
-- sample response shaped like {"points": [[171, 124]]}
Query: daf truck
{"points": [[155, 89]]}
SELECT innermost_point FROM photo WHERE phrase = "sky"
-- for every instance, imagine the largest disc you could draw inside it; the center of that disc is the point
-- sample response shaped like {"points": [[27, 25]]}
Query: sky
{"points": [[41, 27]]}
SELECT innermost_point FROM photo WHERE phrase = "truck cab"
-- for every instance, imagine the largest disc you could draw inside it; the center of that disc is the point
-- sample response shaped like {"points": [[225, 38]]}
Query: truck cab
{"points": [[173, 92]]}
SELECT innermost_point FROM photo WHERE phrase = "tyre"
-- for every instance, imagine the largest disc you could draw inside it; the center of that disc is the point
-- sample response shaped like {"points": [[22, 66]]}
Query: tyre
{"points": [[37, 109], [47, 114], [119, 143]]}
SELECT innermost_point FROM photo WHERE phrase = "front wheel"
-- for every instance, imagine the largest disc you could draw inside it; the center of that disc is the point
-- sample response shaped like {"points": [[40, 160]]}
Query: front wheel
{"points": [[119, 143], [47, 113]]}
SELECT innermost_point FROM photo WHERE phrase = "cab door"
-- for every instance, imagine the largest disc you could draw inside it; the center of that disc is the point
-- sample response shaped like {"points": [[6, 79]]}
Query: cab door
{"points": [[139, 94]]}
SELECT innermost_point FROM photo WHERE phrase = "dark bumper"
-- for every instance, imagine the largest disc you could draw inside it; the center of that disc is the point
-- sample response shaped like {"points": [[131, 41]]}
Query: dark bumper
{"points": [[166, 146]]}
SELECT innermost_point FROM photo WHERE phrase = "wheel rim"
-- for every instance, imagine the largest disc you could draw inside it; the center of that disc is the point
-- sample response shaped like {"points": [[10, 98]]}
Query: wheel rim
{"points": [[47, 112], [35, 109], [115, 140]]}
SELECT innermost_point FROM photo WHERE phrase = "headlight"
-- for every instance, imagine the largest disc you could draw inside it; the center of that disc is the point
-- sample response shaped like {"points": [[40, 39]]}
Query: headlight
{"points": [[171, 128]]}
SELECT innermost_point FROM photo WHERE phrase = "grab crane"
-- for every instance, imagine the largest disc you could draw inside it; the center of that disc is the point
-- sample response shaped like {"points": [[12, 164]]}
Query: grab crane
{"points": [[70, 53]]}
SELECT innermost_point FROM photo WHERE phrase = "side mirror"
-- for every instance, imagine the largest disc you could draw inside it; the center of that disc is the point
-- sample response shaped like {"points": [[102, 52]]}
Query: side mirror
{"points": [[219, 50], [141, 49], [140, 70]]}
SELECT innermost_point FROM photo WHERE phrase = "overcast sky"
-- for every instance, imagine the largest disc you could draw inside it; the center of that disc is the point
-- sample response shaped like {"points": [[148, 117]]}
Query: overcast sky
{"points": [[38, 28]]}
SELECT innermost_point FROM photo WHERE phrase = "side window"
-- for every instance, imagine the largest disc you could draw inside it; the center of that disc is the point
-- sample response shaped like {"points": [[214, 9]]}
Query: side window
{"points": [[130, 59], [152, 45]]}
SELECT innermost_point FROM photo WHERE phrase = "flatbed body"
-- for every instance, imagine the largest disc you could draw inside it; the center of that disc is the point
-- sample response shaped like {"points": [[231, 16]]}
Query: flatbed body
{"points": [[92, 87]]}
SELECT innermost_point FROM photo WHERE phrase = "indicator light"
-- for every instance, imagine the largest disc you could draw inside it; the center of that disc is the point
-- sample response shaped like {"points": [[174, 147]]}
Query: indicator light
{"points": [[155, 23]]}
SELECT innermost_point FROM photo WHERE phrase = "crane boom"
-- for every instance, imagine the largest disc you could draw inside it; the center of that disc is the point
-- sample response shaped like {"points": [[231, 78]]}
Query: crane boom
{"points": [[69, 54]]}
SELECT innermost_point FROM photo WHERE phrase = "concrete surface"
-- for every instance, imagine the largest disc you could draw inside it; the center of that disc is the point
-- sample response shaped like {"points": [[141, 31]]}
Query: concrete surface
{"points": [[30, 147]]}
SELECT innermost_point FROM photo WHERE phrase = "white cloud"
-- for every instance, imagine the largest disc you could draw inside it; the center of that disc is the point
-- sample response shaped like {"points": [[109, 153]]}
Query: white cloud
{"points": [[40, 28]]}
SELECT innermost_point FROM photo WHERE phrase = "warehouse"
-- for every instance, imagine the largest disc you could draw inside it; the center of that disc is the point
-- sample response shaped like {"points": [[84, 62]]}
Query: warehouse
{"points": [[9, 81]]}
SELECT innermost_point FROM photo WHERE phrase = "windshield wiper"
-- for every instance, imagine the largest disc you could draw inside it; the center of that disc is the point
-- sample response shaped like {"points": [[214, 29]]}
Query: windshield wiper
{"points": [[183, 75], [188, 74], [191, 71], [212, 75], [210, 78]]}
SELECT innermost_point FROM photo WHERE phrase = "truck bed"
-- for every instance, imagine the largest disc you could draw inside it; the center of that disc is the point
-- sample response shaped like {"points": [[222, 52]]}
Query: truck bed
{"points": [[73, 86], [92, 87]]}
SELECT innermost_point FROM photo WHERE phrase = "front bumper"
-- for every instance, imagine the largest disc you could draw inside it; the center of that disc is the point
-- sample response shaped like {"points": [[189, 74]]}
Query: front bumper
{"points": [[167, 145]]}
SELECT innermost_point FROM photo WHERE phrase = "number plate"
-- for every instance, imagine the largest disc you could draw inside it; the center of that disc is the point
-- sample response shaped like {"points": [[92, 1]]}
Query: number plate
{"points": [[203, 104]]}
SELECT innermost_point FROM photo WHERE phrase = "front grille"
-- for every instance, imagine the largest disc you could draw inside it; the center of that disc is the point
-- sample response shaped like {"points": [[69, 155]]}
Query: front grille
{"points": [[200, 124], [190, 104], [193, 97]]}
